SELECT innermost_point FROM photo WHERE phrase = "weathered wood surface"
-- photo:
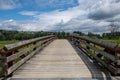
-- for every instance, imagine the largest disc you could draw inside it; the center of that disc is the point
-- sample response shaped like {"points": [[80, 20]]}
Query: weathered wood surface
{"points": [[97, 49], [57, 60], [12, 57], [26, 42], [15, 66], [108, 45]]}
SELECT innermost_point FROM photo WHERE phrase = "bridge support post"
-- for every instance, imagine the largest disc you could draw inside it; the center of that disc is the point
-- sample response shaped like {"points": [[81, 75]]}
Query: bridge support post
{"points": [[3, 64], [117, 54], [35, 46]]}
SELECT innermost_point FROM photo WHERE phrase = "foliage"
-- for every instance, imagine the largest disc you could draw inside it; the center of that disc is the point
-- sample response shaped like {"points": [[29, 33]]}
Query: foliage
{"points": [[24, 35], [92, 35], [117, 41], [78, 32], [2, 43], [115, 35], [12, 36], [61, 35]]}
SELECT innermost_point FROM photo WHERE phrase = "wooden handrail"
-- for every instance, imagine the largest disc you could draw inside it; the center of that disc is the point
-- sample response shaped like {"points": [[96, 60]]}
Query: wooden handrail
{"points": [[12, 56], [97, 49], [24, 43], [108, 45]]}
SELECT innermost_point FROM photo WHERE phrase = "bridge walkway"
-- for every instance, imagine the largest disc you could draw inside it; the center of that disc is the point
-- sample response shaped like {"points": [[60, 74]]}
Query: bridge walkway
{"points": [[57, 60]]}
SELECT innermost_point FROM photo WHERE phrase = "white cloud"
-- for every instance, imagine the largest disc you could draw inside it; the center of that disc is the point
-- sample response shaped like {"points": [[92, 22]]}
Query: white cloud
{"points": [[105, 9], [88, 16], [54, 3], [110, 7], [8, 4], [56, 16], [28, 13]]}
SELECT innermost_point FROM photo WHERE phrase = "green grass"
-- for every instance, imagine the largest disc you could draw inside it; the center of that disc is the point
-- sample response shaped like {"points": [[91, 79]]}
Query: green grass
{"points": [[2, 43], [113, 41]]}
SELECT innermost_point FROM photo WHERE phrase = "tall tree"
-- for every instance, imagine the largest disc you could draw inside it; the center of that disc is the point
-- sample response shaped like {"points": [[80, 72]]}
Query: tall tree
{"points": [[113, 29]]}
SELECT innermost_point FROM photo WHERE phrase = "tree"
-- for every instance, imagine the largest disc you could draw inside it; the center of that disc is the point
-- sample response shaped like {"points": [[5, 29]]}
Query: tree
{"points": [[113, 29], [2, 37], [78, 32]]}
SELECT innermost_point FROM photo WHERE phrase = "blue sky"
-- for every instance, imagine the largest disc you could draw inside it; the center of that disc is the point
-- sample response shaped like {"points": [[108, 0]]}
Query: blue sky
{"points": [[59, 15], [39, 6]]}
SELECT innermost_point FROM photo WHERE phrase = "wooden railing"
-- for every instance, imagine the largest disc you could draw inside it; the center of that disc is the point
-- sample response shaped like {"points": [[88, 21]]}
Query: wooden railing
{"points": [[105, 53], [14, 55]]}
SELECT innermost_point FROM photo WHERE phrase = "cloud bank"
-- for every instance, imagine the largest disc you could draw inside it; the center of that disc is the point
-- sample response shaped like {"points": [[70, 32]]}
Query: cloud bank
{"points": [[88, 16], [8, 4]]}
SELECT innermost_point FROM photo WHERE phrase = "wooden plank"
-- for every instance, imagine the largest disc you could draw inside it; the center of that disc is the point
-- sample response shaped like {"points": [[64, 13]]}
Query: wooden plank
{"points": [[53, 61], [16, 55], [109, 56], [118, 71], [109, 67], [108, 45], [23, 43], [54, 79], [47, 40], [118, 62], [15, 66]]}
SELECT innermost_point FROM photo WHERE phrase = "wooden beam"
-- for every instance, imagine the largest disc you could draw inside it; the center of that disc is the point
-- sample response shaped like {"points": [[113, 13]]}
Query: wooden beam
{"points": [[24, 43], [109, 56], [16, 55], [108, 45], [18, 64]]}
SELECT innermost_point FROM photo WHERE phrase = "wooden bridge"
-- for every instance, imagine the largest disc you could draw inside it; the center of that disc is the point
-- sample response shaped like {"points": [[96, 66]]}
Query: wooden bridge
{"points": [[49, 58]]}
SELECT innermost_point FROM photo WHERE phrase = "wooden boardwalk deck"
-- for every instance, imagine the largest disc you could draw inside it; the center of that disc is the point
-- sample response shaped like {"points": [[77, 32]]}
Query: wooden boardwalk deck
{"points": [[57, 60]]}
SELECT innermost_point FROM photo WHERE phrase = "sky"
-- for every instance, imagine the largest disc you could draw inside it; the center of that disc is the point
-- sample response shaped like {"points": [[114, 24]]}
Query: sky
{"points": [[59, 15]]}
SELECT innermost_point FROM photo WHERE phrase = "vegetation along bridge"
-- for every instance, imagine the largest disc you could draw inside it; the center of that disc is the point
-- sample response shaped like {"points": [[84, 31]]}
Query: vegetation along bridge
{"points": [[49, 58]]}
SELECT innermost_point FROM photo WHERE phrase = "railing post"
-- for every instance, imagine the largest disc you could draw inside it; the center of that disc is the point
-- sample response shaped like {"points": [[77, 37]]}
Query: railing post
{"points": [[35, 46], [11, 63], [72, 39], [3, 64], [117, 56], [88, 46], [76, 42]]}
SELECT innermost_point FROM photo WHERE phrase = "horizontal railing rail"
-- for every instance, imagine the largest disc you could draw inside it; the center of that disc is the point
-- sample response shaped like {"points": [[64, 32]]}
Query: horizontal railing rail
{"points": [[102, 52], [12, 56]]}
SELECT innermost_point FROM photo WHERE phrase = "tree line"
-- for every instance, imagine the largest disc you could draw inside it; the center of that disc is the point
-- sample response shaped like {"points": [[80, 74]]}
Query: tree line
{"points": [[24, 35], [115, 35]]}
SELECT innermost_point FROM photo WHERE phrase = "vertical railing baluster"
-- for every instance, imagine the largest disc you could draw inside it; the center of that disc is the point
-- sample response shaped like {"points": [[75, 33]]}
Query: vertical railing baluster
{"points": [[3, 64], [117, 56]]}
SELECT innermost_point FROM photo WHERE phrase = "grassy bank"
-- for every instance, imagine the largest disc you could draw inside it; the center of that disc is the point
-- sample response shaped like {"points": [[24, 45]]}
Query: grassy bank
{"points": [[2, 43], [117, 41]]}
